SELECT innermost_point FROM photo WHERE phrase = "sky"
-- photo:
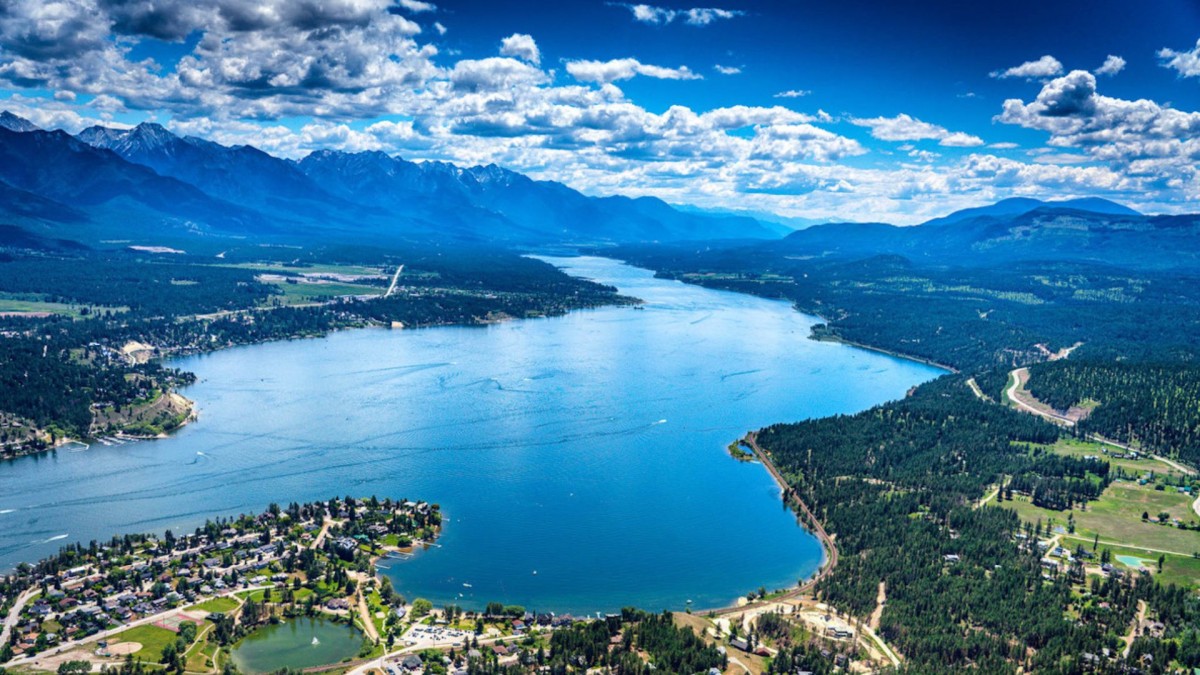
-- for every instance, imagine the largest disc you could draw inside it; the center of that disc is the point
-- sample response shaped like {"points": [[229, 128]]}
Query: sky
{"points": [[892, 111]]}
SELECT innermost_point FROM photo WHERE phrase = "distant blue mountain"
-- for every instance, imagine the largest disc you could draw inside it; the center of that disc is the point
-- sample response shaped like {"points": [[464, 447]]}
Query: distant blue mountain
{"points": [[1020, 205], [61, 179], [14, 123], [121, 183], [1014, 230]]}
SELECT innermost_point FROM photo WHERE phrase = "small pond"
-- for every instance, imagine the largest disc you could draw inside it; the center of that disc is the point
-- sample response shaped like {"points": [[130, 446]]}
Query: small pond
{"points": [[297, 643]]}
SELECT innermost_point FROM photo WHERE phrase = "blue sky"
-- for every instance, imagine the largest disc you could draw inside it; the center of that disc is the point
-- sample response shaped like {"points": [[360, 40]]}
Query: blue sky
{"points": [[850, 109]]}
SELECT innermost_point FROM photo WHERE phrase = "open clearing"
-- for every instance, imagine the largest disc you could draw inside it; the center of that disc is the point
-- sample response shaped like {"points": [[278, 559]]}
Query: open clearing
{"points": [[124, 648], [18, 307], [215, 605], [151, 638], [1117, 516], [1076, 448]]}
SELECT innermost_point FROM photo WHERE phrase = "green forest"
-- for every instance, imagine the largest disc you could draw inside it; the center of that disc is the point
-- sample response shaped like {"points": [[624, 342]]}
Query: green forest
{"points": [[1152, 405], [898, 485]]}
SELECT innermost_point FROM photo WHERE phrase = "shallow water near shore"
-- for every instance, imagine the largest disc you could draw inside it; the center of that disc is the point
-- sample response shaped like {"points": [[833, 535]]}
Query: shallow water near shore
{"points": [[580, 460]]}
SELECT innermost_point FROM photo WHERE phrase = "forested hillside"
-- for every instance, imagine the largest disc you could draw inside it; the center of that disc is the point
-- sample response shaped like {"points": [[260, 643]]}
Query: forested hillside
{"points": [[898, 486], [1153, 405], [972, 319]]}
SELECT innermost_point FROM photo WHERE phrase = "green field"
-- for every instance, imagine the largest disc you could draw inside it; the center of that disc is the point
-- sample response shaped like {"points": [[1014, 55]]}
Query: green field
{"points": [[152, 639], [1076, 448], [1117, 517], [1181, 570], [224, 604], [328, 268], [293, 294], [22, 306]]}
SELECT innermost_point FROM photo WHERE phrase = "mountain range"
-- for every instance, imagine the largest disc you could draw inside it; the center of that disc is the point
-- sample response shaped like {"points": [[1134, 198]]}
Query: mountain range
{"points": [[147, 183], [1012, 231]]}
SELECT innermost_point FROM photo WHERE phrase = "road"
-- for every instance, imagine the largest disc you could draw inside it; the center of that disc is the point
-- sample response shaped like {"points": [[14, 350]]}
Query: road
{"points": [[103, 635], [1021, 375], [321, 535], [1137, 621], [1127, 545], [395, 278], [377, 663], [364, 611], [14, 615], [751, 440], [978, 392]]}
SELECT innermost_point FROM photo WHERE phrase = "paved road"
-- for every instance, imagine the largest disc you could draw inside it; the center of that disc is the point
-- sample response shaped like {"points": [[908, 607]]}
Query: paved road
{"points": [[1011, 394], [14, 615], [71, 644]]}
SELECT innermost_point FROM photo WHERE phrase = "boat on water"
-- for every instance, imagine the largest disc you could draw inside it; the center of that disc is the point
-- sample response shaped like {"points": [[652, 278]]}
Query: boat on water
{"points": [[315, 641]]}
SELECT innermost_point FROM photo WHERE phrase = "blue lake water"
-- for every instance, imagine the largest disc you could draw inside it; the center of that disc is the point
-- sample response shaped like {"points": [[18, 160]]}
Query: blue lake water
{"points": [[589, 448]]}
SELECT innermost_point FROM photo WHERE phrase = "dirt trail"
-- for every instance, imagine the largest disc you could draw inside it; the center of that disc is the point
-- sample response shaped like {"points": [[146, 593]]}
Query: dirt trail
{"points": [[1132, 634], [977, 391], [880, 601], [751, 441], [364, 611]]}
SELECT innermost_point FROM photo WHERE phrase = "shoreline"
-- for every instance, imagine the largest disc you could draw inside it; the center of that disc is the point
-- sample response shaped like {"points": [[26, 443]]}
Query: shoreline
{"points": [[814, 527], [192, 415], [837, 339]]}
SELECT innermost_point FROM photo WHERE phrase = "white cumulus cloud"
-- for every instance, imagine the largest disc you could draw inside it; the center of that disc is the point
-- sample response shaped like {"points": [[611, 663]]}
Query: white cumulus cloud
{"points": [[624, 69], [521, 46], [1111, 66], [905, 127], [1047, 66], [696, 16], [1186, 63]]}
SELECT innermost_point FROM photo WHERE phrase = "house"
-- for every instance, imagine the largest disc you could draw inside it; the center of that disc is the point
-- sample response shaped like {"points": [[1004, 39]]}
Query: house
{"points": [[411, 662], [345, 547], [951, 558], [740, 643]]}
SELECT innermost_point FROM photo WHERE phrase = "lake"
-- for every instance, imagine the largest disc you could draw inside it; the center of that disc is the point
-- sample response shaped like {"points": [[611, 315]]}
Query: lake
{"points": [[298, 643], [588, 448]]}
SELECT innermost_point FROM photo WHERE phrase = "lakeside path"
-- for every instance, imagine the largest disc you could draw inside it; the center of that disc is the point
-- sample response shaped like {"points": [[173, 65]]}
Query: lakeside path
{"points": [[790, 494]]}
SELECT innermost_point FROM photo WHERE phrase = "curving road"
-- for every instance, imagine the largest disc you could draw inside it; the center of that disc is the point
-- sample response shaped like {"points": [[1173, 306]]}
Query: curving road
{"points": [[1021, 375]]}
